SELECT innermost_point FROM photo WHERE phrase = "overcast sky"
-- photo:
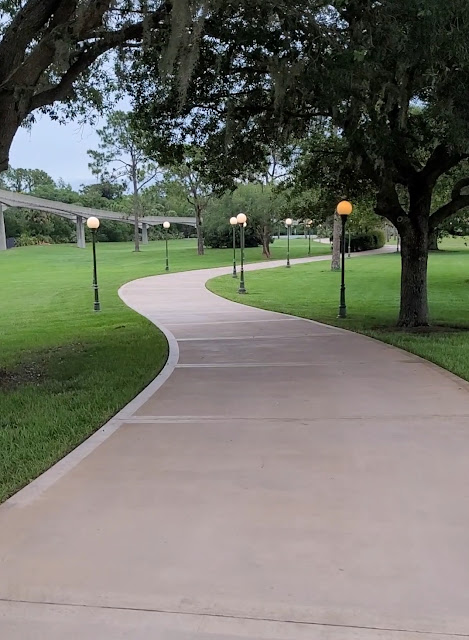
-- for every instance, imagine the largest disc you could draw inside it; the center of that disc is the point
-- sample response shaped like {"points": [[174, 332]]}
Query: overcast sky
{"points": [[60, 150]]}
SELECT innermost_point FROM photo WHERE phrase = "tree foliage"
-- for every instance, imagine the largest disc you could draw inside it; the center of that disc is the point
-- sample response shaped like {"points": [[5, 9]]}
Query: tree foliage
{"points": [[281, 70], [187, 174], [122, 161], [53, 52]]}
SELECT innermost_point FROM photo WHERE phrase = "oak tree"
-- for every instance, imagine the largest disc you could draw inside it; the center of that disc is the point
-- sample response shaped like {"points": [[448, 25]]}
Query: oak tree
{"points": [[272, 70]]}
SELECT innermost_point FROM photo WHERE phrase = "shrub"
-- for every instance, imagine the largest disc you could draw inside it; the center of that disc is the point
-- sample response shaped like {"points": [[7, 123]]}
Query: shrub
{"points": [[218, 234], [366, 241], [27, 241]]}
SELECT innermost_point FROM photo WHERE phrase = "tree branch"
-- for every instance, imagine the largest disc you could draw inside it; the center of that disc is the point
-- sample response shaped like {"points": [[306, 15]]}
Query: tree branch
{"points": [[458, 201], [126, 164], [88, 56], [26, 24], [65, 23], [388, 205], [145, 182], [440, 162]]}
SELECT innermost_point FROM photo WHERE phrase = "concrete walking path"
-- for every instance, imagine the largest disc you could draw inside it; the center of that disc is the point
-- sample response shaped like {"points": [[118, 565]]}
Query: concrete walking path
{"points": [[288, 480]]}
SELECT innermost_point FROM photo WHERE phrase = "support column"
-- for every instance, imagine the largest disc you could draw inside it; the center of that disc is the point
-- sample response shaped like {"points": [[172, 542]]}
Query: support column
{"points": [[3, 235], [81, 243], [144, 233]]}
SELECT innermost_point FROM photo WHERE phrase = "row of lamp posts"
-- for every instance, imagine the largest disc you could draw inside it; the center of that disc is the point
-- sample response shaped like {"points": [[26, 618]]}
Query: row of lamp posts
{"points": [[241, 221], [344, 209], [93, 225], [288, 224]]}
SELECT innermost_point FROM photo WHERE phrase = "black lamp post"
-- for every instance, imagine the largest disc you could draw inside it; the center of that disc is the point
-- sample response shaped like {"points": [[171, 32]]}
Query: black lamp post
{"points": [[344, 209], [288, 224], [242, 221], [234, 224], [93, 224], [308, 225], [166, 226]]}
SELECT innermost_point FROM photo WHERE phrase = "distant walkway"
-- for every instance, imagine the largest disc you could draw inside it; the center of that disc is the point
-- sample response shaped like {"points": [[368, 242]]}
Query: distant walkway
{"points": [[288, 481]]}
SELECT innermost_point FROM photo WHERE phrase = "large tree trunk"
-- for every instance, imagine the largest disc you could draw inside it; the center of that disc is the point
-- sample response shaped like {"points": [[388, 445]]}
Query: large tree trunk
{"points": [[336, 237], [200, 232], [414, 258], [265, 239], [433, 241]]}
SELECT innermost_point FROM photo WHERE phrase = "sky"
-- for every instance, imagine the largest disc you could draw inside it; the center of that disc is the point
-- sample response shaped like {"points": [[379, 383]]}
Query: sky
{"points": [[60, 150]]}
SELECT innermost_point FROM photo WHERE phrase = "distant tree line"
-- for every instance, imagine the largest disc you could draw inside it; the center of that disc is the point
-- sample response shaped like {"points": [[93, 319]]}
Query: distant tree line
{"points": [[29, 227]]}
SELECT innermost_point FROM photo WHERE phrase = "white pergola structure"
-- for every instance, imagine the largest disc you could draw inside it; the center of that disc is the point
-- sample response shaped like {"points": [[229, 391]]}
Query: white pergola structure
{"points": [[77, 214]]}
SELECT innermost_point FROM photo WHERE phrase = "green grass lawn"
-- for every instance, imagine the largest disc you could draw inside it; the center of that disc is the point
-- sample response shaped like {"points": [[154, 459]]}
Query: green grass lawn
{"points": [[312, 291], [65, 370]]}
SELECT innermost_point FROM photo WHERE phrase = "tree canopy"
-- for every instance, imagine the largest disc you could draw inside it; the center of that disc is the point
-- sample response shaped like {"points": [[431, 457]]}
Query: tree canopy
{"points": [[54, 52], [121, 160], [387, 78]]}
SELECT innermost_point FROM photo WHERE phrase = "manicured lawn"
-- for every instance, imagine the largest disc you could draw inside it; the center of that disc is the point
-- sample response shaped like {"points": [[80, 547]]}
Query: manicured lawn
{"points": [[65, 370], [312, 291]]}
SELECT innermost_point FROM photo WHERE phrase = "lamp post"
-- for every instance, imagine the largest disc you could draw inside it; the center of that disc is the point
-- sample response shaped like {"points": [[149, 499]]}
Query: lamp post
{"points": [[234, 224], [344, 209], [308, 226], [244, 242], [241, 219], [288, 224], [93, 224], [166, 226]]}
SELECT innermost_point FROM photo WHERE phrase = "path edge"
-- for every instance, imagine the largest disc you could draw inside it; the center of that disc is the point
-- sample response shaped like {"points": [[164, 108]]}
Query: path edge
{"points": [[453, 377], [37, 487]]}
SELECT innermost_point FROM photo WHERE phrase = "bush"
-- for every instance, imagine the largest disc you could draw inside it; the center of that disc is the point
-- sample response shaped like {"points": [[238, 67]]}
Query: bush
{"points": [[366, 241], [28, 241], [218, 234], [111, 231]]}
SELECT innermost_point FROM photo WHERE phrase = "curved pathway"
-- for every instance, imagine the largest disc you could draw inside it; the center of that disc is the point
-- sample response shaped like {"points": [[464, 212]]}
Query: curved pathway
{"points": [[288, 481]]}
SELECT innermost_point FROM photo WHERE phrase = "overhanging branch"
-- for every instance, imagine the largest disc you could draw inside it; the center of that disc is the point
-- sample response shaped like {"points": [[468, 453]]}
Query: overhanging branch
{"points": [[85, 59], [440, 162], [388, 205], [458, 201], [26, 24]]}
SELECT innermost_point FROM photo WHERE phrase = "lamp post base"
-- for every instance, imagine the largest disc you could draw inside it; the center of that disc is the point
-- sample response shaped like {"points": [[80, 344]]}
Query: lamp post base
{"points": [[97, 306], [343, 306]]}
